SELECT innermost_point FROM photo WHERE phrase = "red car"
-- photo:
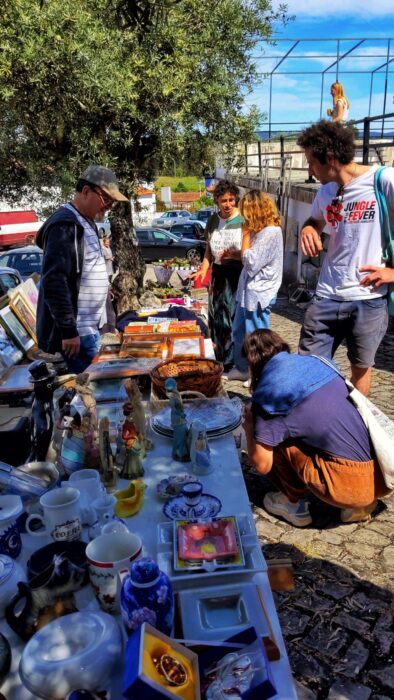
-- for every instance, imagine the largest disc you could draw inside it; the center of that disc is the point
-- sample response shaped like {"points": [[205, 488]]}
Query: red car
{"points": [[18, 227]]}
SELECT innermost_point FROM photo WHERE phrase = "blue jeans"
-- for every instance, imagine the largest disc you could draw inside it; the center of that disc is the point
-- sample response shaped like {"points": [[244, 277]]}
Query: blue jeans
{"points": [[90, 345], [246, 322], [361, 324]]}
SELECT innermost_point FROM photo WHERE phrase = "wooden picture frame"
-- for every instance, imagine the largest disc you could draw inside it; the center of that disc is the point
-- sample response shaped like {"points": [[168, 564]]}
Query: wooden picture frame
{"points": [[25, 312], [15, 329]]}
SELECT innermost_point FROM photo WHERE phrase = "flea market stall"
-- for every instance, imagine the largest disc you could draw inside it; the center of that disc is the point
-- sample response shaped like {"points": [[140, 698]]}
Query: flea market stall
{"points": [[129, 560]]}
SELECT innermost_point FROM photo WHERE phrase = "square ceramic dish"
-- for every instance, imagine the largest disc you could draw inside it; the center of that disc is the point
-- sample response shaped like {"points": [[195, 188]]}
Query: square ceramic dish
{"points": [[218, 612], [211, 551]]}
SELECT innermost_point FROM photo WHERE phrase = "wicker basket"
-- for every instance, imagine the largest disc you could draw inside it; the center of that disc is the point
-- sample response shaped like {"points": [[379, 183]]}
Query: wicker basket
{"points": [[197, 375]]}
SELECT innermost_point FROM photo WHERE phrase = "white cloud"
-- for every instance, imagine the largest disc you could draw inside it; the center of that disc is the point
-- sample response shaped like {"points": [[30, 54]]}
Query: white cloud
{"points": [[339, 8]]}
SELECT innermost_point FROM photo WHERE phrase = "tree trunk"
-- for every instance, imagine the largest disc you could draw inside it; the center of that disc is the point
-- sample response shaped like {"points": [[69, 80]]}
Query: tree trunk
{"points": [[128, 262]]}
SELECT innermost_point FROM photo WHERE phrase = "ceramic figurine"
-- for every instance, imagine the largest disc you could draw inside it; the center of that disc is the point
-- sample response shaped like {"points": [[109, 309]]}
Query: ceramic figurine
{"points": [[85, 392], [135, 400], [62, 399], [130, 500], [200, 454], [41, 422], [134, 447], [147, 596], [72, 453], [109, 472], [180, 449]]}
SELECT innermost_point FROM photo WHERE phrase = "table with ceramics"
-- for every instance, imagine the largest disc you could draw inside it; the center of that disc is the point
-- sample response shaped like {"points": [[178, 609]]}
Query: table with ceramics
{"points": [[225, 482]]}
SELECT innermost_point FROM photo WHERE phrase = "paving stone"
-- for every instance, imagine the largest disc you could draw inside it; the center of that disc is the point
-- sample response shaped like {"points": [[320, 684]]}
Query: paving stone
{"points": [[368, 604], [292, 622], [383, 633], [345, 530], [363, 551], [304, 693], [345, 690], [306, 666], [352, 623], [355, 658], [331, 537], [335, 589], [298, 538], [313, 603], [384, 677], [370, 537], [328, 642], [388, 556], [268, 531], [383, 527]]}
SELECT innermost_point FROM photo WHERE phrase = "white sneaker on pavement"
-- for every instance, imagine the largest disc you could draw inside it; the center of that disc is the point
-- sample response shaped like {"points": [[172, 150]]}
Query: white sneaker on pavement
{"points": [[235, 375], [297, 513]]}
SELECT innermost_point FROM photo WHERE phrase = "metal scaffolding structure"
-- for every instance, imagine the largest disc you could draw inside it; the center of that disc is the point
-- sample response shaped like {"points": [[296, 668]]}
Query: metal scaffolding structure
{"points": [[333, 68]]}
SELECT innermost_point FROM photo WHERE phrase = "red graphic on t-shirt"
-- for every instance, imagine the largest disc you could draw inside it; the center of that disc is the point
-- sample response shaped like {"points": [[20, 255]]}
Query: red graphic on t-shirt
{"points": [[334, 213]]}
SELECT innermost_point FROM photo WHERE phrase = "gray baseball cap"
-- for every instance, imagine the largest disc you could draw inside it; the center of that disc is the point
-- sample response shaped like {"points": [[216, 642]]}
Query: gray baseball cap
{"points": [[105, 179]]}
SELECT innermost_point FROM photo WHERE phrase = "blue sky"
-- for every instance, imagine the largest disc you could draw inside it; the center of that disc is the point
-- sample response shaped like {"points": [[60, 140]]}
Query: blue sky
{"points": [[296, 97]]}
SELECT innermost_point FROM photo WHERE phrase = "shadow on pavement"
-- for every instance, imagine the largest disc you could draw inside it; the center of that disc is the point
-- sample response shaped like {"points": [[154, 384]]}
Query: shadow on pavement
{"points": [[338, 630]]}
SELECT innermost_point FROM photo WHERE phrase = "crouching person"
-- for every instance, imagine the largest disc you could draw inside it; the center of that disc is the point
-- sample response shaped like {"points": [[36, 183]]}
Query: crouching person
{"points": [[306, 435]]}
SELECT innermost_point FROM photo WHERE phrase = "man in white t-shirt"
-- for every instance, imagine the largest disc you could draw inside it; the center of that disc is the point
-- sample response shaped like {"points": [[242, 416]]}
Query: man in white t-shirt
{"points": [[350, 301]]}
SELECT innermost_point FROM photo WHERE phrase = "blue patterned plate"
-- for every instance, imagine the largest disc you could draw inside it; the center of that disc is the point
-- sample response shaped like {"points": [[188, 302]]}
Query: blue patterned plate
{"points": [[208, 507]]}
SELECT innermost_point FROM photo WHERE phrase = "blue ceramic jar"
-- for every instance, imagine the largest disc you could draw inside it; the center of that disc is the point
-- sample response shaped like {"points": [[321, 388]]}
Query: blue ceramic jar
{"points": [[147, 596]]}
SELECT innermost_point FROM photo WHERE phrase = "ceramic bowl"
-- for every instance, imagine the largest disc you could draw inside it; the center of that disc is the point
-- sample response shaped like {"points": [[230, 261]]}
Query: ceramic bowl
{"points": [[11, 509], [45, 470], [56, 563], [172, 485], [78, 650]]}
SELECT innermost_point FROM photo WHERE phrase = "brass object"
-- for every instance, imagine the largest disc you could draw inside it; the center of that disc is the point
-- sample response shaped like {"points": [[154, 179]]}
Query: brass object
{"points": [[173, 672]]}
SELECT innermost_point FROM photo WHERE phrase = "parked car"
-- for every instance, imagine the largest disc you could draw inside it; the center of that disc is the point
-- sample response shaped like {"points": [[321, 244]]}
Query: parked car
{"points": [[167, 218], [9, 279], [189, 229], [157, 244], [18, 227], [203, 214], [104, 228], [25, 260]]}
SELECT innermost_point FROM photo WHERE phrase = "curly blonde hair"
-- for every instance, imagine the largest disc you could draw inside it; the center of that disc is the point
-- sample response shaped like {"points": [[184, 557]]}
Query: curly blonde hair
{"points": [[259, 211]]}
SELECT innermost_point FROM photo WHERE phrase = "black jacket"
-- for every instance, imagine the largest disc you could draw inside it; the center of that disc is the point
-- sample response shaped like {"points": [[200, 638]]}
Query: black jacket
{"points": [[61, 238]]}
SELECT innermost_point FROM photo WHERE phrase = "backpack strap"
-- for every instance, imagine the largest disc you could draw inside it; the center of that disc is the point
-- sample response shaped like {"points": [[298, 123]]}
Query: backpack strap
{"points": [[386, 233]]}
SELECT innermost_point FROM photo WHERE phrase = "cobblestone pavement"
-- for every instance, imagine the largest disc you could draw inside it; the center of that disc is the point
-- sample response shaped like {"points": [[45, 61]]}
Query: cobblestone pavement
{"points": [[338, 621]]}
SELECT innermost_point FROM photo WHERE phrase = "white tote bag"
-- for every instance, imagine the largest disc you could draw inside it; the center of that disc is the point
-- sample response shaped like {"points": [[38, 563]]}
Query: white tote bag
{"points": [[380, 428]]}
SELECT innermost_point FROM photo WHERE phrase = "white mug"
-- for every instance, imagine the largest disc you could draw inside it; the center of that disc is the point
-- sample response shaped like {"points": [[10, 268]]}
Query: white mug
{"points": [[88, 483], [108, 557], [62, 515]]}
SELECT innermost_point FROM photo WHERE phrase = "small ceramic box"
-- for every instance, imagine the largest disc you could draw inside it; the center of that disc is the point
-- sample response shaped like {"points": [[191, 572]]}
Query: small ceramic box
{"points": [[142, 678]]}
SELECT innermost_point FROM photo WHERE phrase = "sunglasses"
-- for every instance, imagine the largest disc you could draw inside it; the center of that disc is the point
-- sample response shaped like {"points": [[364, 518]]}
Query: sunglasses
{"points": [[106, 200]]}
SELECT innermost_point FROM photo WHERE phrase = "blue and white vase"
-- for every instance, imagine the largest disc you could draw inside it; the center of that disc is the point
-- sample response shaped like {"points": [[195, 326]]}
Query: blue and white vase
{"points": [[147, 596]]}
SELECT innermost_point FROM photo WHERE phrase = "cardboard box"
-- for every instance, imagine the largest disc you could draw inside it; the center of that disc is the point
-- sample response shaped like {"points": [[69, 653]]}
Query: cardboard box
{"points": [[141, 678]]}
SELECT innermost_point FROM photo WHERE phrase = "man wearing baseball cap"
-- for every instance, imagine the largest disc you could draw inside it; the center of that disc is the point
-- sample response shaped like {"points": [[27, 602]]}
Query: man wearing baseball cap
{"points": [[74, 279]]}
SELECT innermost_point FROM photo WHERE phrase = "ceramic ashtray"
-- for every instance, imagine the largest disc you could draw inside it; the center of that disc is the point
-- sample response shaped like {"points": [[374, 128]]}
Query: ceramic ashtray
{"points": [[172, 485]]}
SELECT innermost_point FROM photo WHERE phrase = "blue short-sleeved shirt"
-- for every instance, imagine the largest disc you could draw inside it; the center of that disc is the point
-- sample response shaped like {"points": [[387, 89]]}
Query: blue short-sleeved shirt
{"points": [[326, 420]]}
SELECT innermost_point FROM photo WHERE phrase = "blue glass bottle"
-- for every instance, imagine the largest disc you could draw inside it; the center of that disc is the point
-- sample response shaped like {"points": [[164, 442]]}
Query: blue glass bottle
{"points": [[147, 596]]}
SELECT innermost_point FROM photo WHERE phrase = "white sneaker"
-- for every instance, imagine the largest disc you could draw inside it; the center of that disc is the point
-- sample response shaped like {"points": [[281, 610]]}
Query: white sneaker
{"points": [[358, 515], [295, 513], [235, 375]]}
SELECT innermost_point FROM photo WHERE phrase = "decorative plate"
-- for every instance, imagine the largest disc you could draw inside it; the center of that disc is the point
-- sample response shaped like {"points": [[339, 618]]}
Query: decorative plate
{"points": [[219, 416], [207, 541], [172, 485], [208, 506]]}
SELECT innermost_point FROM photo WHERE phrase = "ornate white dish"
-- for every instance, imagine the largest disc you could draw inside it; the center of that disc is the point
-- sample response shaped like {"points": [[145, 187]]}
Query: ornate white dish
{"points": [[10, 574], [218, 415], [75, 651], [177, 509], [172, 485]]}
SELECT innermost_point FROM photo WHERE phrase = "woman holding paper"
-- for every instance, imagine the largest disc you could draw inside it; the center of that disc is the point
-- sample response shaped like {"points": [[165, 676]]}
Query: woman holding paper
{"points": [[223, 254]]}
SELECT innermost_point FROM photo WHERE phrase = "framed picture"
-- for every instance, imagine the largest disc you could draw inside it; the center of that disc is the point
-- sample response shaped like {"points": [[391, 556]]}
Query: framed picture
{"points": [[30, 291], [22, 308], [15, 329], [9, 353]]}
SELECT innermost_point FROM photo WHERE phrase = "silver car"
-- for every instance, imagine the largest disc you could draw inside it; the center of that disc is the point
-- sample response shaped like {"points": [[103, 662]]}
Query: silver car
{"points": [[167, 218]]}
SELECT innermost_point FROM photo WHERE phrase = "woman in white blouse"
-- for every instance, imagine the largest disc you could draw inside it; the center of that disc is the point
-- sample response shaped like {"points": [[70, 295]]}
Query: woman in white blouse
{"points": [[261, 277]]}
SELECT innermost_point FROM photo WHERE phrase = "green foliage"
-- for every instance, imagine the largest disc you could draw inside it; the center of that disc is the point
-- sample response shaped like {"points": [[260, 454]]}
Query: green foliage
{"points": [[132, 84], [192, 184], [203, 201], [180, 187]]}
